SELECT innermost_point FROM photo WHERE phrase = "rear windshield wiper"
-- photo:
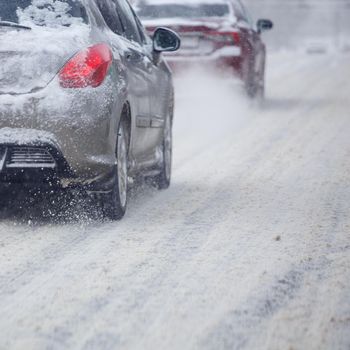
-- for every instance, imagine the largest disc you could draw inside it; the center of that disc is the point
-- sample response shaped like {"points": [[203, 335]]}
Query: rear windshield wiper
{"points": [[13, 25]]}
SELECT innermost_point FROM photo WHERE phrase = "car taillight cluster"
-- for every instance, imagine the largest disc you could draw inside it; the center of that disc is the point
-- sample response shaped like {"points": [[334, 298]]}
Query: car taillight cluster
{"points": [[232, 38], [87, 68]]}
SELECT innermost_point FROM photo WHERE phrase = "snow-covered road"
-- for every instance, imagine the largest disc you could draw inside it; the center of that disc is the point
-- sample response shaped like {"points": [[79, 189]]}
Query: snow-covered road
{"points": [[249, 248]]}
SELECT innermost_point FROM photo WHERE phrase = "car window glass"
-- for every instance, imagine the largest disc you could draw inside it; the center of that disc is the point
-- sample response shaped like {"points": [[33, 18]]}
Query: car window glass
{"points": [[239, 11], [109, 13], [246, 13], [144, 37], [191, 10], [131, 30]]}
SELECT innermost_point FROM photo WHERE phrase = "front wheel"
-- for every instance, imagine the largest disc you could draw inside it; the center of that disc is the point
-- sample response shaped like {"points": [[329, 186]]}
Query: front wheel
{"points": [[163, 179], [3, 199], [115, 202], [254, 82], [260, 93]]}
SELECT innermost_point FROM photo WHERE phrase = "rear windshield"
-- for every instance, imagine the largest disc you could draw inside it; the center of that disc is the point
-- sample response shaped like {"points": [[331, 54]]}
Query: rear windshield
{"points": [[146, 11], [51, 13]]}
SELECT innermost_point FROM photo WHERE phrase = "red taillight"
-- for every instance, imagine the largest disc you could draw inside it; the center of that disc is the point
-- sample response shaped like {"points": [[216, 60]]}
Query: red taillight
{"points": [[236, 37], [87, 68]]}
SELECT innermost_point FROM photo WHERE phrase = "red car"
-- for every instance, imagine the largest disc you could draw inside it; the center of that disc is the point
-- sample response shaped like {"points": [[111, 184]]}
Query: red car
{"points": [[213, 32]]}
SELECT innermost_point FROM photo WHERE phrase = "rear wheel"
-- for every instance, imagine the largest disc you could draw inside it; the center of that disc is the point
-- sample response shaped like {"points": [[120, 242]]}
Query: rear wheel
{"points": [[260, 92], [252, 85], [162, 181], [3, 198], [254, 82], [115, 202]]}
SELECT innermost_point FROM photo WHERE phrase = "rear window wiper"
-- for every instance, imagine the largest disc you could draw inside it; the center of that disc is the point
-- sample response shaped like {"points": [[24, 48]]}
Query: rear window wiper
{"points": [[13, 25]]}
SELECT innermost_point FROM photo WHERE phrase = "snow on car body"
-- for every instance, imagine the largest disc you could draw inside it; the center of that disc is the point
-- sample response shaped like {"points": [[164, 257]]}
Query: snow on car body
{"points": [[85, 100]]}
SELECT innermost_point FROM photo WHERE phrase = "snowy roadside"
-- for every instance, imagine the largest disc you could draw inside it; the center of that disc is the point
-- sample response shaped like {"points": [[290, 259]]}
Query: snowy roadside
{"points": [[249, 249]]}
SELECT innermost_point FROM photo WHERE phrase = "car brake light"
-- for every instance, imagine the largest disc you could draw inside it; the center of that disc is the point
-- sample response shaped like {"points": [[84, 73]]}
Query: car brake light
{"points": [[87, 68]]}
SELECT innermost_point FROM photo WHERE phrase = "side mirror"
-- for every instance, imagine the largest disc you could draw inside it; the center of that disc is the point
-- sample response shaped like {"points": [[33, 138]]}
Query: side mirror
{"points": [[264, 25], [165, 40]]}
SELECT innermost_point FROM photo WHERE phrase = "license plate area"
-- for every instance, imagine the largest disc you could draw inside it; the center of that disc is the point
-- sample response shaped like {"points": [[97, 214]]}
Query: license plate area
{"points": [[190, 42]]}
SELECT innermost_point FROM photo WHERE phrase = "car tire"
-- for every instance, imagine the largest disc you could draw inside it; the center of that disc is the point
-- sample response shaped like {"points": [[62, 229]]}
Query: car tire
{"points": [[251, 85], [115, 202], [254, 83], [3, 199], [260, 93], [163, 179]]}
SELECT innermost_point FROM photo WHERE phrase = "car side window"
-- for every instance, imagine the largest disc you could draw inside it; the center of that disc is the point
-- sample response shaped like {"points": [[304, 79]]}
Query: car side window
{"points": [[144, 37], [131, 30], [247, 16], [110, 15], [239, 11]]}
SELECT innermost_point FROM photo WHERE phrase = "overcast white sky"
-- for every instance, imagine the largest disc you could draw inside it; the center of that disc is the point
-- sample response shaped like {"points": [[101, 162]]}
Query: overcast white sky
{"points": [[300, 20]]}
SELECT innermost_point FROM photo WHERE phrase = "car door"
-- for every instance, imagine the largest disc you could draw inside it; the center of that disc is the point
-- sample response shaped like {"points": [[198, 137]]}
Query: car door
{"points": [[160, 93], [126, 43], [138, 59]]}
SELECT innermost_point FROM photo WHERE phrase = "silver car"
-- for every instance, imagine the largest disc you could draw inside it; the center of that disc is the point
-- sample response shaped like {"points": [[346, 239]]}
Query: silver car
{"points": [[85, 98]]}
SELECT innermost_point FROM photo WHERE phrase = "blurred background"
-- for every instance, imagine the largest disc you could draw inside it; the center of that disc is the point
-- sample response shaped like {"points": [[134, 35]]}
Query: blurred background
{"points": [[305, 23]]}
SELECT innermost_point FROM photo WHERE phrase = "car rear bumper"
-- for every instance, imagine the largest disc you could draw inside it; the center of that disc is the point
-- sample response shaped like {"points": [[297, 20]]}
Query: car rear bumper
{"points": [[40, 162], [225, 58], [65, 139], [36, 162]]}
